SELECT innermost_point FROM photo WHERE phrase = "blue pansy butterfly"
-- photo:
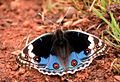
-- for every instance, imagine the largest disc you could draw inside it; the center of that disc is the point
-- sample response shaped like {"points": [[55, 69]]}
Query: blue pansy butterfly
{"points": [[61, 52]]}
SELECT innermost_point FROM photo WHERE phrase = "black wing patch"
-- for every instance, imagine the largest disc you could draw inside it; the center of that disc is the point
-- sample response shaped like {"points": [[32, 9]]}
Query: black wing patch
{"points": [[42, 46], [78, 41]]}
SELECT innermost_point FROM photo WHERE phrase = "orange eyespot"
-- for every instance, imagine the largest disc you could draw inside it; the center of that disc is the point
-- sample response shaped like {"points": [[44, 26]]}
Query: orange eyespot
{"points": [[74, 62], [88, 50], [26, 56], [56, 66], [97, 46], [36, 58]]}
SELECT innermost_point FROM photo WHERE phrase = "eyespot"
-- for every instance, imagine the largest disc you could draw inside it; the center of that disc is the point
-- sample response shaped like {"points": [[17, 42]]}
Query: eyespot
{"points": [[36, 58], [88, 50], [97, 46], [56, 66], [26, 56], [74, 62]]}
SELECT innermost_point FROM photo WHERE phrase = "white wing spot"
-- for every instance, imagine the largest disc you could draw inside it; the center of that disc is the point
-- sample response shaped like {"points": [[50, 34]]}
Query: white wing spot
{"points": [[30, 48], [100, 43], [22, 54], [91, 39]]}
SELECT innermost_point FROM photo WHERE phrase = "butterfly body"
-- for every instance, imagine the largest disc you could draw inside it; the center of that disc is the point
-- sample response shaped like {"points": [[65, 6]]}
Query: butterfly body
{"points": [[61, 52]]}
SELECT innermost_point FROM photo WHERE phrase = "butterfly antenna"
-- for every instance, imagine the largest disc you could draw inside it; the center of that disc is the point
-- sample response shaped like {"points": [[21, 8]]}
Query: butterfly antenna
{"points": [[43, 18], [27, 40], [57, 25], [64, 16]]}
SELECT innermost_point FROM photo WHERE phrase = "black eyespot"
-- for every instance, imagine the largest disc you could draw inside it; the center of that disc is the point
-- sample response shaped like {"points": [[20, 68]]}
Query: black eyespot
{"points": [[74, 62], [88, 50], [37, 59], [56, 66]]}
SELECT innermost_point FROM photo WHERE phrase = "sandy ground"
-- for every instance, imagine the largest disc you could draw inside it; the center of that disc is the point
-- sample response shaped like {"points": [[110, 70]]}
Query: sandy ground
{"points": [[18, 21]]}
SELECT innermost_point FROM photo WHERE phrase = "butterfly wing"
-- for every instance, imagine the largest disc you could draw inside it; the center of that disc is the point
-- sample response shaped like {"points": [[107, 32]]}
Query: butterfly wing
{"points": [[37, 54], [85, 47]]}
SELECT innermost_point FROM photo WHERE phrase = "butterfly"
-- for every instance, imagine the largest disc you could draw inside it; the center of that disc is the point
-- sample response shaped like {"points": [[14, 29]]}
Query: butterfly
{"points": [[61, 52]]}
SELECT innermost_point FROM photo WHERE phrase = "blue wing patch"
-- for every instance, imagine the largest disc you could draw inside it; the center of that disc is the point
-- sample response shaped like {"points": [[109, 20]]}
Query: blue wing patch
{"points": [[54, 60], [44, 61]]}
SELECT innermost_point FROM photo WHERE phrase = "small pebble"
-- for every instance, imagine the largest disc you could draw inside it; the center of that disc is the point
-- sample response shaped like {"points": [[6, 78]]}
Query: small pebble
{"points": [[21, 71], [14, 4], [15, 68]]}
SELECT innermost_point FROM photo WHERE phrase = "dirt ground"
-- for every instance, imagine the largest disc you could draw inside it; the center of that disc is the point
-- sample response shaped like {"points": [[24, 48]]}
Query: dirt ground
{"points": [[18, 21]]}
